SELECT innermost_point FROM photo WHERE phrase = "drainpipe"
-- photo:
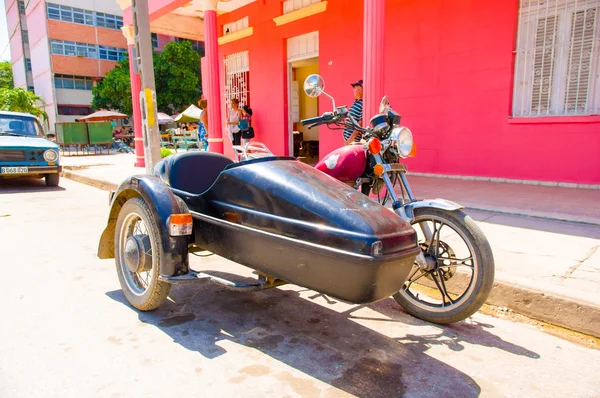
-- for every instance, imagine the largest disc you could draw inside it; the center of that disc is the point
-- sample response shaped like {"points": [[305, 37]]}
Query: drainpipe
{"points": [[373, 57], [136, 87], [211, 74]]}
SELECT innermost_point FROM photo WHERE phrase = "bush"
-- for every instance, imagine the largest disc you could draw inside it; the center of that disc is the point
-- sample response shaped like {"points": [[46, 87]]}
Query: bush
{"points": [[164, 152]]}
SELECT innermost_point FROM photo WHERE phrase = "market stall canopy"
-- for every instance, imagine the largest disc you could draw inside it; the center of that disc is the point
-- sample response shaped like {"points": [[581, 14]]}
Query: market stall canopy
{"points": [[163, 118], [102, 116], [191, 114]]}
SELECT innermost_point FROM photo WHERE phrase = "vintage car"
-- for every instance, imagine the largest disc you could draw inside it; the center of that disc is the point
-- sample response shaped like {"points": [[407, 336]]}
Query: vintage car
{"points": [[278, 216], [25, 151]]}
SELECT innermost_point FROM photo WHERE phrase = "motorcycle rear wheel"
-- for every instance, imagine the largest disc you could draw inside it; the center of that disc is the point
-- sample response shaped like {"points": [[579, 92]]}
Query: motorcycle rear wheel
{"points": [[434, 298]]}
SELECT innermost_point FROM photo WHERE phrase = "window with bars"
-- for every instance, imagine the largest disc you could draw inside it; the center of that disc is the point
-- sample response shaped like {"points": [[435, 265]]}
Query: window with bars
{"points": [[25, 36], [154, 37], [74, 110], [84, 17], [74, 49], [235, 26], [237, 78], [73, 82], [28, 64], [21, 7], [293, 5], [558, 63]]}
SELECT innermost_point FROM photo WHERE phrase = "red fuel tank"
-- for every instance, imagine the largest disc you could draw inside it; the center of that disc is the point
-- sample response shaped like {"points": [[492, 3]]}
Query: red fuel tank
{"points": [[345, 164]]}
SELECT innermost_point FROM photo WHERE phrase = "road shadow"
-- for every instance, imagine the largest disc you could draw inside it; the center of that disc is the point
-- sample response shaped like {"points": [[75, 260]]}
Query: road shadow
{"points": [[24, 185], [452, 336], [325, 344], [537, 224]]}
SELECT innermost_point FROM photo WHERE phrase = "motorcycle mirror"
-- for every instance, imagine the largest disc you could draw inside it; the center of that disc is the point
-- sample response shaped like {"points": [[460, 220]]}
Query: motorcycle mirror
{"points": [[314, 85]]}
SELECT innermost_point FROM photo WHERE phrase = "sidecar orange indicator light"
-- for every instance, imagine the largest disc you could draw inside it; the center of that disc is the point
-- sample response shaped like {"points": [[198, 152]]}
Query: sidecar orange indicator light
{"points": [[378, 169], [180, 224], [374, 146]]}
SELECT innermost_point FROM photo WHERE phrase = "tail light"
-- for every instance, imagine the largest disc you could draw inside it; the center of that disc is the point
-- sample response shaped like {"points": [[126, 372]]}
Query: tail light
{"points": [[374, 146], [180, 224]]}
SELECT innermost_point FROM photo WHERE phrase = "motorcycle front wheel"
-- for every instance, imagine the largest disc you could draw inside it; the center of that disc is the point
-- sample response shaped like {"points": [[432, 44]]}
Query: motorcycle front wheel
{"points": [[459, 274]]}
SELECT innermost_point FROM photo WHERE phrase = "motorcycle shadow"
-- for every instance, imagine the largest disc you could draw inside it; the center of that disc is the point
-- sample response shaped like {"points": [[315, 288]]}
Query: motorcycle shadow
{"points": [[319, 341]]}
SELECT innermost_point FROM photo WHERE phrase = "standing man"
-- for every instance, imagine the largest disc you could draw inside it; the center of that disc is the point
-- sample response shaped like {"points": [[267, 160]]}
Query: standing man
{"points": [[356, 110]]}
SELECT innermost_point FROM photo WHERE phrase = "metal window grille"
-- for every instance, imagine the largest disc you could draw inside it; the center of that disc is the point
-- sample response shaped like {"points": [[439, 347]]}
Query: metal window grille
{"points": [[558, 58], [237, 78], [293, 5]]}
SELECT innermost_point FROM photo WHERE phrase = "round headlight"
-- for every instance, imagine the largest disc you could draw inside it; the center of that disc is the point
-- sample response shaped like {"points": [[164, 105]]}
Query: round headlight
{"points": [[50, 155], [403, 138]]}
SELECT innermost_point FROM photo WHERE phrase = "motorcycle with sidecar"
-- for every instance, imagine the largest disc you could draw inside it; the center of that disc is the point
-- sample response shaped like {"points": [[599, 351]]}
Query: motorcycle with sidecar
{"points": [[282, 218]]}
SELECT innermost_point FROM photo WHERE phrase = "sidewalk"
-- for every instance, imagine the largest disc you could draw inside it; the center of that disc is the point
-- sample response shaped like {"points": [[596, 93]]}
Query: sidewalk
{"points": [[545, 239]]}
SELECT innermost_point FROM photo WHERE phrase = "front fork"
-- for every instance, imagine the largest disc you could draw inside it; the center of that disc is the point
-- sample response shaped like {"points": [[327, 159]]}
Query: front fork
{"points": [[399, 207]]}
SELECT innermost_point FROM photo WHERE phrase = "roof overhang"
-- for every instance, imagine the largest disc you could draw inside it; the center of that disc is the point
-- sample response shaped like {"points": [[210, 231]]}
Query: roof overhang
{"points": [[180, 18]]}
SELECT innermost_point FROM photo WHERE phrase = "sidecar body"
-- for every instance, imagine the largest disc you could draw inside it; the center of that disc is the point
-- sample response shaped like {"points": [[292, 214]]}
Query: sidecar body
{"points": [[278, 216]]}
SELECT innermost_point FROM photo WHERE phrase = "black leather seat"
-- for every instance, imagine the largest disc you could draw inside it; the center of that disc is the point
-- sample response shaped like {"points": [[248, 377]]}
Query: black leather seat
{"points": [[192, 172]]}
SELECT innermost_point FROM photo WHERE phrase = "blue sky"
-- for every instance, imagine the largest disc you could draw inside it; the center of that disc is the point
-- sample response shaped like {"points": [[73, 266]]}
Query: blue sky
{"points": [[3, 34]]}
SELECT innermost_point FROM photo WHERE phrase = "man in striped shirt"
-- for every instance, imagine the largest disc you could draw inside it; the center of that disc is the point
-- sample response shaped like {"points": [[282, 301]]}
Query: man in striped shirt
{"points": [[351, 135]]}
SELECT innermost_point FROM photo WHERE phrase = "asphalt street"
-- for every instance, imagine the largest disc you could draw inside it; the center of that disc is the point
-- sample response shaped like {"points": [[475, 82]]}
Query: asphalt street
{"points": [[66, 329]]}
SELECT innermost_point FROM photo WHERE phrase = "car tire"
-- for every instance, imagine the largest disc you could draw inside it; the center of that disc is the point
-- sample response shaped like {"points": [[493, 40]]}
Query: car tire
{"points": [[52, 180]]}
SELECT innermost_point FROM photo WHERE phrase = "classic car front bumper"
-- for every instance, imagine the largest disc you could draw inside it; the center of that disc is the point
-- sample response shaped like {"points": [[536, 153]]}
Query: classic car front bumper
{"points": [[31, 170]]}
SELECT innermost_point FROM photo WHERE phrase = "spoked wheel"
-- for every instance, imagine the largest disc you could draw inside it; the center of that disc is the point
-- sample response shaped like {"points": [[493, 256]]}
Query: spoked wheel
{"points": [[459, 273], [137, 252]]}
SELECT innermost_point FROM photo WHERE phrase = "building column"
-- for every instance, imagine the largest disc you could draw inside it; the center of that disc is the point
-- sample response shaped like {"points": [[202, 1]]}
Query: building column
{"points": [[136, 87], [210, 77], [373, 57]]}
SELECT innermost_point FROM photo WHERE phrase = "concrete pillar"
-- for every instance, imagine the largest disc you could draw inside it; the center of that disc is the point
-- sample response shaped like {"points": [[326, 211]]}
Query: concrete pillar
{"points": [[373, 57], [136, 87], [210, 77]]}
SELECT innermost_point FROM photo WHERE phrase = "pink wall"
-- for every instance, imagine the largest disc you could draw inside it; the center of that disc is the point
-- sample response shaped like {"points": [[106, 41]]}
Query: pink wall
{"points": [[268, 64], [452, 80], [449, 72]]}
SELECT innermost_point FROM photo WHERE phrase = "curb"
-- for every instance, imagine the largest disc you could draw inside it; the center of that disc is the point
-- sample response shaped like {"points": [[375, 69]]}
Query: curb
{"points": [[550, 308], [554, 309]]}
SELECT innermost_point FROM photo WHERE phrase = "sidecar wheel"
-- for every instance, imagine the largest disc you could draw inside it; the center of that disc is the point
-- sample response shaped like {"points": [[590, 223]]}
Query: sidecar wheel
{"points": [[460, 268], [138, 248]]}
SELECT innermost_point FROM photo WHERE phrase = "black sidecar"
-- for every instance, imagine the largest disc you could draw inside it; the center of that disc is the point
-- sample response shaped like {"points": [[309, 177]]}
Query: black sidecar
{"points": [[284, 219]]}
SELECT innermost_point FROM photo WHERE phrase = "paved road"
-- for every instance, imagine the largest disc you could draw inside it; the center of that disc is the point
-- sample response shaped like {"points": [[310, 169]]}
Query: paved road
{"points": [[67, 331]]}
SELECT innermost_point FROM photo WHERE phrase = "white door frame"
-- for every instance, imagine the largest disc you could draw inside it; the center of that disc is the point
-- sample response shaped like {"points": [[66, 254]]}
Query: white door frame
{"points": [[293, 58]]}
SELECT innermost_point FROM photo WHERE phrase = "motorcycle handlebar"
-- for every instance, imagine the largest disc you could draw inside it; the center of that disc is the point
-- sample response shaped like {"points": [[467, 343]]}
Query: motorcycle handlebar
{"points": [[326, 117]]}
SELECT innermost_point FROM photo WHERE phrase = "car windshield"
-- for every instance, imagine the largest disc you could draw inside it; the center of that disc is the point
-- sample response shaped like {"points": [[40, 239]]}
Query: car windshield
{"points": [[19, 125]]}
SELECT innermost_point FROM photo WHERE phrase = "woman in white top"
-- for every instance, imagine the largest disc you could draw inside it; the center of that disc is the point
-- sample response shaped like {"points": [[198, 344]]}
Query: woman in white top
{"points": [[235, 114]]}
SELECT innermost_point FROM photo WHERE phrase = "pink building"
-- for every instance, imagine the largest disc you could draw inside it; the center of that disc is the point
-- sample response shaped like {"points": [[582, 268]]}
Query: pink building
{"points": [[61, 48], [492, 89]]}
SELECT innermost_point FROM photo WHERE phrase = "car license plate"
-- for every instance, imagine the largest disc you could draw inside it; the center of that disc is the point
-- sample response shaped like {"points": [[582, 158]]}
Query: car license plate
{"points": [[14, 170]]}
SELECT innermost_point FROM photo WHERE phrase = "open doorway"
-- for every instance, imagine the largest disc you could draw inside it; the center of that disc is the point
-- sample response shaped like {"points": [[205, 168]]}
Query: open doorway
{"points": [[304, 143]]}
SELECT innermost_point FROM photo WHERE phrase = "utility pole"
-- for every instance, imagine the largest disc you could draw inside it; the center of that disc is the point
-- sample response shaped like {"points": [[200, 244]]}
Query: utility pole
{"points": [[145, 67]]}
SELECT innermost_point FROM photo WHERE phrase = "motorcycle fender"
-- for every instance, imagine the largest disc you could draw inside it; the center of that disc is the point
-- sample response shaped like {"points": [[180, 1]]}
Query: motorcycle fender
{"points": [[407, 211], [162, 203]]}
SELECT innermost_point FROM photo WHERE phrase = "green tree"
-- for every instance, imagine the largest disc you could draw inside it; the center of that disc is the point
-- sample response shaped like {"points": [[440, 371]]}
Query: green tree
{"points": [[21, 100], [114, 91], [6, 75], [176, 76]]}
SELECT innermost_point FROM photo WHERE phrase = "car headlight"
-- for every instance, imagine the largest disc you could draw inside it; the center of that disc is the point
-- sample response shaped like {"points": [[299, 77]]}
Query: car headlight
{"points": [[50, 155], [403, 139]]}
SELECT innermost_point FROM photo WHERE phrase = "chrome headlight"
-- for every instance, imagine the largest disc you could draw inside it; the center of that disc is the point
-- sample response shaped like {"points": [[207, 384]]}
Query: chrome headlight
{"points": [[50, 155], [403, 139]]}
